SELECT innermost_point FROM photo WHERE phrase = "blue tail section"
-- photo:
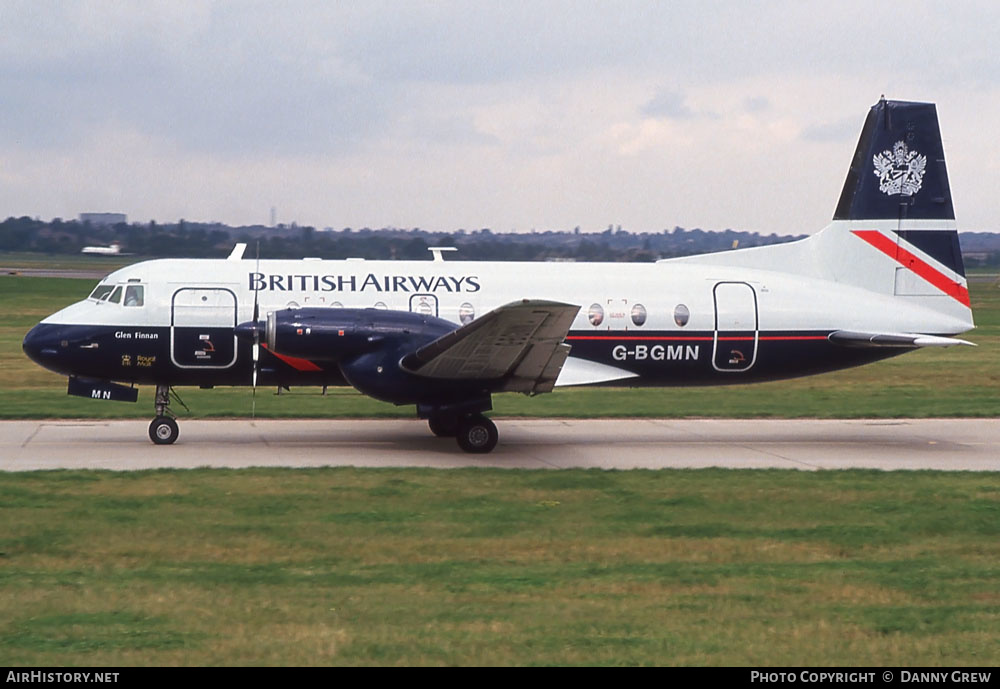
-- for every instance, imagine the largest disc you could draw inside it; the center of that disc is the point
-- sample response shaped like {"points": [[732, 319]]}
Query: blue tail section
{"points": [[898, 170]]}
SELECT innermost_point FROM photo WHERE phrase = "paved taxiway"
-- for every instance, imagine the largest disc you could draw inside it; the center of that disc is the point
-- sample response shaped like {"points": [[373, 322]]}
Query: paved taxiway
{"points": [[949, 444]]}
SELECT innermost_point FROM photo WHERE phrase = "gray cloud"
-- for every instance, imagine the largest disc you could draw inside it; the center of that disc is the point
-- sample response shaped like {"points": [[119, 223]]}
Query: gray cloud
{"points": [[669, 105], [304, 77], [229, 88], [545, 91], [846, 129]]}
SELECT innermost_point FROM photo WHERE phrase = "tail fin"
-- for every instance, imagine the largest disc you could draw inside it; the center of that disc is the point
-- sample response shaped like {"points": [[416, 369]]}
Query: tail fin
{"points": [[898, 174], [894, 231], [898, 171]]}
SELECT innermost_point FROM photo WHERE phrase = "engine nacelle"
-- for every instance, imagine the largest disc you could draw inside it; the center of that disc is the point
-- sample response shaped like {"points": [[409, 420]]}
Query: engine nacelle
{"points": [[367, 345], [337, 335]]}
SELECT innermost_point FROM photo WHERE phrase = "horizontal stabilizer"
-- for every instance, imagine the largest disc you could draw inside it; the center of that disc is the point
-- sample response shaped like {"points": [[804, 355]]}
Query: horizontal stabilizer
{"points": [[857, 339], [520, 345]]}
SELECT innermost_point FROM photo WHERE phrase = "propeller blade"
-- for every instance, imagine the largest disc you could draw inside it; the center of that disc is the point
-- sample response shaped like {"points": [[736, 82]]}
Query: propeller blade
{"points": [[256, 343], [256, 309], [253, 380], [256, 358]]}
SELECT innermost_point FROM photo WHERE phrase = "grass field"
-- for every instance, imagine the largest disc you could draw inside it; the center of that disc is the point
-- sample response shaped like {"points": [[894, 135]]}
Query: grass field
{"points": [[961, 381], [415, 567], [14, 260]]}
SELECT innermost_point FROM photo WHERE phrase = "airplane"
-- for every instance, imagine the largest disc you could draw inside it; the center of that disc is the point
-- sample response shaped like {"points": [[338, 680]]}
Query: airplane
{"points": [[883, 278], [113, 249]]}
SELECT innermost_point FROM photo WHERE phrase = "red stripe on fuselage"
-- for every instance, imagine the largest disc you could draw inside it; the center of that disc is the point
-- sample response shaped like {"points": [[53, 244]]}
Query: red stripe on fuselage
{"points": [[793, 337], [670, 338], [295, 362], [920, 267], [772, 338], [658, 338]]}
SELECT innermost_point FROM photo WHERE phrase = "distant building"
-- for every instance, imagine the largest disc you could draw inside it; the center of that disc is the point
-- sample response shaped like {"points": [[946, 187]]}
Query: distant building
{"points": [[103, 218]]}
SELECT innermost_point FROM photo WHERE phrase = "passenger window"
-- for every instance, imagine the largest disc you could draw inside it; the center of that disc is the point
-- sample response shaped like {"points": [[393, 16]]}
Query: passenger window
{"points": [[596, 314], [681, 315], [101, 292], [116, 296], [638, 314], [134, 295], [466, 313]]}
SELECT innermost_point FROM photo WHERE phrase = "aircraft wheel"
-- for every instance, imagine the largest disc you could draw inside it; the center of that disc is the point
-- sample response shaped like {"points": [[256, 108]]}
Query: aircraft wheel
{"points": [[443, 426], [477, 434], [163, 430]]}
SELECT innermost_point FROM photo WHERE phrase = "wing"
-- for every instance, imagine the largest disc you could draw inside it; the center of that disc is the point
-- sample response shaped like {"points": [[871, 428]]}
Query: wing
{"points": [[850, 338], [520, 346]]}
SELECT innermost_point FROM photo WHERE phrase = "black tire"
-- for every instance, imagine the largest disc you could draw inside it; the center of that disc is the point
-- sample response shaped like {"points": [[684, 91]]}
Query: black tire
{"points": [[163, 430], [443, 426], [477, 434]]}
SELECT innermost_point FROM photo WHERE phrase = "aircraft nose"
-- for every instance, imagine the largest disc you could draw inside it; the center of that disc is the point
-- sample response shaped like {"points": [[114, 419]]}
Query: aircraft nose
{"points": [[41, 344]]}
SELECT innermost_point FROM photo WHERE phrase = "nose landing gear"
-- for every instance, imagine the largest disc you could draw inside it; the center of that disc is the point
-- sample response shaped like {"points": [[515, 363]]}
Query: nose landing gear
{"points": [[163, 429]]}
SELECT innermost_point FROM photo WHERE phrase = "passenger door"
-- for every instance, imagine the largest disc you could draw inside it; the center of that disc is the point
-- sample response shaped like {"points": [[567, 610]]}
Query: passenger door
{"points": [[736, 334], [202, 327]]}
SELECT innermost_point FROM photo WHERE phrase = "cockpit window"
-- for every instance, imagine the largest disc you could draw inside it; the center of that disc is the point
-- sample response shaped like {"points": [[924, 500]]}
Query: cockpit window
{"points": [[116, 296], [101, 292], [134, 295]]}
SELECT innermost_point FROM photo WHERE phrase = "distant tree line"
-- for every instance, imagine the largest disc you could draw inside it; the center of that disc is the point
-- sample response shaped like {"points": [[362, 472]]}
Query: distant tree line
{"points": [[210, 240]]}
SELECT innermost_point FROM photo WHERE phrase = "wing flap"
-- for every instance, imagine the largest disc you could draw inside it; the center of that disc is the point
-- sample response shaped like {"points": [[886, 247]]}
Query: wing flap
{"points": [[521, 345], [538, 371], [850, 338]]}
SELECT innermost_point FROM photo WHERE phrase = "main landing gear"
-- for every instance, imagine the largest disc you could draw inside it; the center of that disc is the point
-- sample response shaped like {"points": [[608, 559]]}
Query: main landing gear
{"points": [[163, 430], [474, 432]]}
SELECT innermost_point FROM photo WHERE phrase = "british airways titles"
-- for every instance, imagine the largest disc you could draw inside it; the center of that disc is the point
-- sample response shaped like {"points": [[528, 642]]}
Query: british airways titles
{"points": [[367, 283]]}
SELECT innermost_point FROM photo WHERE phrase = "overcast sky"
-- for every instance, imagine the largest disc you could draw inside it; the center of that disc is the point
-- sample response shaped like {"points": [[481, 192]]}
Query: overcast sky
{"points": [[509, 115]]}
